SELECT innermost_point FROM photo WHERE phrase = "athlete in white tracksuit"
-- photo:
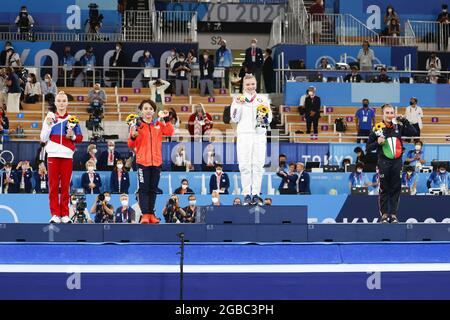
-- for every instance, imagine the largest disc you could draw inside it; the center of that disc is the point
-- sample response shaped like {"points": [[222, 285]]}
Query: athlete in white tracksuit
{"points": [[251, 140]]}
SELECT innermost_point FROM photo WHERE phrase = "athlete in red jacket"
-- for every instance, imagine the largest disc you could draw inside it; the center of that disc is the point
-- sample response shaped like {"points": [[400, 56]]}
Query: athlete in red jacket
{"points": [[146, 139]]}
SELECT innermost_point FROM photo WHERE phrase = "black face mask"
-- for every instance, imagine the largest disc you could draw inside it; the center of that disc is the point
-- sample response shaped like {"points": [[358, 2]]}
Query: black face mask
{"points": [[282, 163], [365, 105]]}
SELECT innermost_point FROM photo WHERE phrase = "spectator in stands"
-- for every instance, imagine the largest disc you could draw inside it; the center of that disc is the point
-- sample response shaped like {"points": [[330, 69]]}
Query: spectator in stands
{"points": [[324, 65], [354, 76], [158, 88], [3, 88], [433, 62], [14, 91], [10, 183], [268, 73], [146, 60], [108, 158], [117, 62], [209, 158], [88, 61], [312, 111], [104, 211], [267, 201], [394, 29], [90, 155], [182, 71], [365, 120], [206, 74], [303, 180], [68, 62], [200, 122], [3, 54], [415, 158], [181, 161], [170, 63], [96, 98], [414, 115], [190, 210], [120, 179], [32, 89], [366, 57], [172, 212], [316, 11], [90, 180], [375, 183], [175, 120], [191, 57], [444, 30], [184, 188], [224, 59], [254, 60], [383, 76], [219, 181], [24, 21], [24, 175], [301, 107], [237, 201], [409, 180], [41, 179], [390, 17], [124, 213], [358, 178], [13, 58], [94, 23], [439, 178], [288, 180], [346, 162], [49, 89], [215, 198], [74, 215]]}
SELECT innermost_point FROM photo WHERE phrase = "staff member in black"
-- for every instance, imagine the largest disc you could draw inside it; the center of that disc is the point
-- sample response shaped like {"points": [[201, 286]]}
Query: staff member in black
{"points": [[387, 141], [312, 110]]}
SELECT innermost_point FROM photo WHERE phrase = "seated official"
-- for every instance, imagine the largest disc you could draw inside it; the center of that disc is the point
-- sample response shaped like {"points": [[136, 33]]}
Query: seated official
{"points": [[288, 180], [120, 179], [415, 158], [358, 178], [90, 180], [383, 76], [439, 178], [184, 188], [409, 179], [219, 181], [124, 213], [354, 76], [303, 180]]}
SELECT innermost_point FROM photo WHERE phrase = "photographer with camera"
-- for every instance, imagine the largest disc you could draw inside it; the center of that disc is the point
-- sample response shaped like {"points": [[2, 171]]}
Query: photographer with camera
{"points": [[96, 98], [94, 23], [172, 212], [24, 21], [78, 212], [104, 212], [124, 214]]}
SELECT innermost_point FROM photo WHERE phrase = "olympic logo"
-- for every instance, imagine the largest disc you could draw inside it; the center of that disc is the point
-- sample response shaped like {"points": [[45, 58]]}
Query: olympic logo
{"points": [[6, 156]]}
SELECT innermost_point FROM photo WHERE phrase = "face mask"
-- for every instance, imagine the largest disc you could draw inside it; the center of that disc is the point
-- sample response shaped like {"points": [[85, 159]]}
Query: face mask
{"points": [[215, 200], [409, 173], [442, 171], [8, 170], [110, 148], [365, 105], [107, 199], [117, 48], [205, 57], [124, 203], [47, 80], [389, 10], [359, 170], [91, 169], [417, 147], [182, 59], [253, 45], [192, 202], [236, 204], [173, 54], [94, 150], [218, 171], [74, 202], [444, 10], [147, 54], [29, 79], [310, 93], [120, 166], [184, 186], [96, 91]]}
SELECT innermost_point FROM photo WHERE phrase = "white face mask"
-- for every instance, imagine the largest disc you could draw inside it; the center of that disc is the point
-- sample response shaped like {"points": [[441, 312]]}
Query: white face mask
{"points": [[218, 171], [253, 45], [47, 80], [119, 166], [94, 150], [192, 202], [409, 173], [417, 147], [442, 171], [215, 200], [310, 93], [107, 199], [205, 57], [147, 54], [117, 48], [90, 169], [110, 148], [359, 170], [96, 91], [389, 10], [182, 60], [124, 203], [8, 170], [184, 186], [74, 202]]}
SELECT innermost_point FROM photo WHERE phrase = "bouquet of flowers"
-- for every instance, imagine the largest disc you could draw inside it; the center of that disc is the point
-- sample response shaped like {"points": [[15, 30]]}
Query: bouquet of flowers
{"points": [[132, 120], [72, 122], [378, 129], [262, 116]]}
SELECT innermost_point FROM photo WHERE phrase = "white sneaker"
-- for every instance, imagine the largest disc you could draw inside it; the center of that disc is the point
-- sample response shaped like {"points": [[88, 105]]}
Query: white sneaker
{"points": [[55, 219], [66, 219]]}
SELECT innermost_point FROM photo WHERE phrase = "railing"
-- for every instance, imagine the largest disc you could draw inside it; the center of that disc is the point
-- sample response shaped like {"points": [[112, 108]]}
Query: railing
{"points": [[397, 41], [429, 35], [175, 26], [62, 37]]}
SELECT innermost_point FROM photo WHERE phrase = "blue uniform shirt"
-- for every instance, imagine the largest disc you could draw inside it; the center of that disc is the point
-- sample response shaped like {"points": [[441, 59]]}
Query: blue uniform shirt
{"points": [[412, 154], [358, 179], [365, 118], [408, 181], [439, 180]]}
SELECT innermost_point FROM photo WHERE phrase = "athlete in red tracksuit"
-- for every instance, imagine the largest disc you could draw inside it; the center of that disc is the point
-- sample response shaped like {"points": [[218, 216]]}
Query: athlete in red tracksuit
{"points": [[60, 148], [146, 138]]}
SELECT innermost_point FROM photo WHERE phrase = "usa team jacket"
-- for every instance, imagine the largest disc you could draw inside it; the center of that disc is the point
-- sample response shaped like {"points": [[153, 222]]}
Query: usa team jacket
{"points": [[58, 146]]}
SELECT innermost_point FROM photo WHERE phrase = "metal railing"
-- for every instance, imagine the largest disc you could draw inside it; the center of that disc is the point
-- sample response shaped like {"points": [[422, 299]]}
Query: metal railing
{"points": [[429, 35], [62, 37], [176, 26], [397, 41]]}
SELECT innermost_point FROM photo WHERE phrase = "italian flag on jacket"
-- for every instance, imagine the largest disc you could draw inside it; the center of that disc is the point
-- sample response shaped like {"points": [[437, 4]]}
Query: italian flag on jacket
{"points": [[392, 148]]}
